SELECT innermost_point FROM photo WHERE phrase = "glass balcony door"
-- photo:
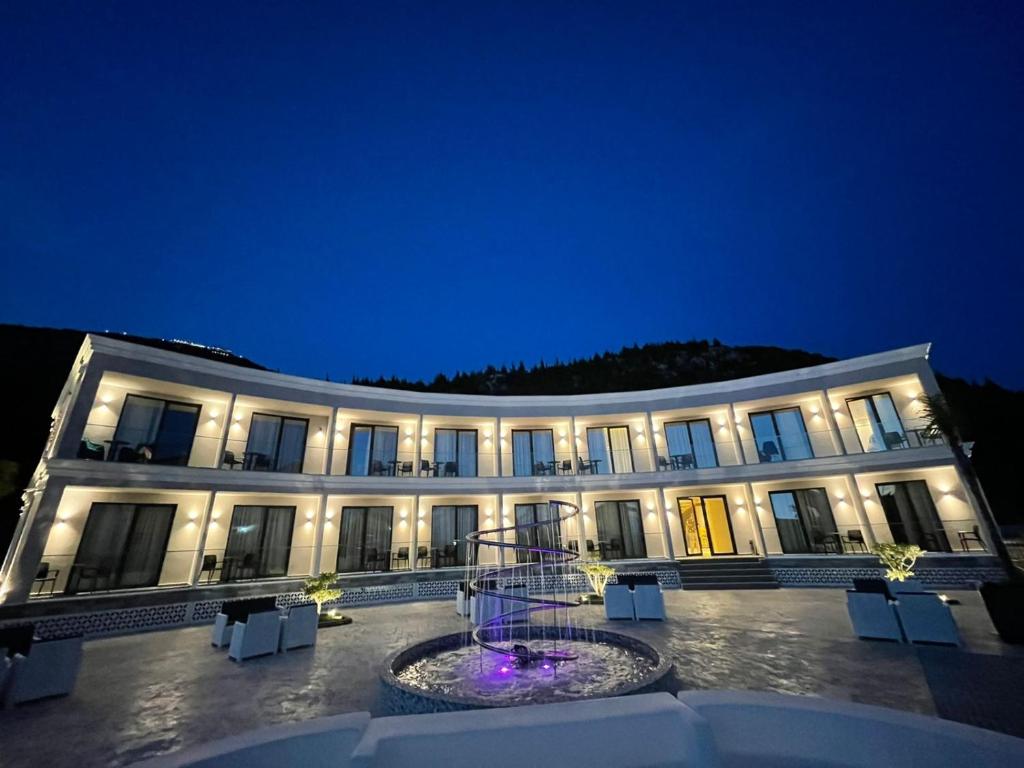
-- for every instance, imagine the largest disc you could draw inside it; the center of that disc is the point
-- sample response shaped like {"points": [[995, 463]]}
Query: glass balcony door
{"points": [[533, 452], [373, 450], [804, 521], [610, 448], [691, 444], [364, 539], [276, 443], [780, 435], [154, 431], [912, 516], [259, 542], [449, 526], [543, 536], [877, 423], [707, 527], [122, 547], [620, 530], [455, 452]]}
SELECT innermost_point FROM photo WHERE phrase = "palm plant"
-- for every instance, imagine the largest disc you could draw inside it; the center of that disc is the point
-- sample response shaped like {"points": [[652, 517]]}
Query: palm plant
{"points": [[940, 422]]}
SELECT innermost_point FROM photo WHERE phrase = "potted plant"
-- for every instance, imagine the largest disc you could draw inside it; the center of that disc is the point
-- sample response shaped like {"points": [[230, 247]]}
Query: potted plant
{"points": [[597, 574], [320, 589], [899, 560]]}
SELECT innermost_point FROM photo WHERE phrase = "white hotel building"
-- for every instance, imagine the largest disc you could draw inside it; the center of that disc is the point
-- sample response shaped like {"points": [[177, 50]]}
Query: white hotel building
{"points": [[170, 482]]}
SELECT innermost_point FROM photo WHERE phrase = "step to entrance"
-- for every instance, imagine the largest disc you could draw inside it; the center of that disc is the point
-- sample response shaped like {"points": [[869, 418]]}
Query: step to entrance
{"points": [[731, 573]]}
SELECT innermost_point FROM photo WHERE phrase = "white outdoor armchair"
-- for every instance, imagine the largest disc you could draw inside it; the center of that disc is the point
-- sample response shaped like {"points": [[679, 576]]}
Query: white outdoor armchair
{"points": [[298, 627], [258, 635]]}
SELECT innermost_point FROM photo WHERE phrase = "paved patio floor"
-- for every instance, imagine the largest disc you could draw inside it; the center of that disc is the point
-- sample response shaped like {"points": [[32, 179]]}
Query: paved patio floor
{"points": [[146, 694]]}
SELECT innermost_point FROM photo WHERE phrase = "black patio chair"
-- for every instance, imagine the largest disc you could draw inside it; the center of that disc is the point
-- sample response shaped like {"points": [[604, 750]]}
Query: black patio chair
{"points": [[451, 469], [565, 467], [424, 468], [769, 450], [405, 470], [402, 556], [210, 567], [664, 465], [895, 440], [966, 537], [377, 467], [854, 539], [422, 554], [87, 449], [231, 460], [45, 576]]}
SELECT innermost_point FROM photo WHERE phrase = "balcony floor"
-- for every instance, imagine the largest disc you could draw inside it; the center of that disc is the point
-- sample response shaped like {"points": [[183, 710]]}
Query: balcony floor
{"points": [[146, 694]]}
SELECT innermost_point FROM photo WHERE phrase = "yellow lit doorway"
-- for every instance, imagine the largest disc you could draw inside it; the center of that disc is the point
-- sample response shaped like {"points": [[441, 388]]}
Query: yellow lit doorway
{"points": [[707, 529]]}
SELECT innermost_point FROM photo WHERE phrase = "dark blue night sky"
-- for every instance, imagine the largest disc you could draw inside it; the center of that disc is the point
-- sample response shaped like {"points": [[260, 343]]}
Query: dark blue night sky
{"points": [[377, 188]]}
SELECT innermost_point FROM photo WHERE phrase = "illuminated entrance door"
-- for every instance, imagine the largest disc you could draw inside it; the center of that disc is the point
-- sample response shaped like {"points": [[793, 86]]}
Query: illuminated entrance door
{"points": [[707, 529]]}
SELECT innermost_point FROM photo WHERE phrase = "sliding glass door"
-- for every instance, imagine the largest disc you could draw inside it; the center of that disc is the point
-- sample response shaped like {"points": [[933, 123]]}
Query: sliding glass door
{"points": [[122, 547], [690, 444], [372, 450], [545, 536], [804, 521], [620, 530], [449, 526], [533, 452], [276, 443], [877, 423], [706, 525], [455, 452], [364, 539], [610, 448], [781, 435], [912, 516], [259, 542], [154, 431]]}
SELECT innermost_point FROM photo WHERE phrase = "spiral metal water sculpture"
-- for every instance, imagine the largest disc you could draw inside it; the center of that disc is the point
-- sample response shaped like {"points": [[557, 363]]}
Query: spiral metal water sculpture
{"points": [[551, 563]]}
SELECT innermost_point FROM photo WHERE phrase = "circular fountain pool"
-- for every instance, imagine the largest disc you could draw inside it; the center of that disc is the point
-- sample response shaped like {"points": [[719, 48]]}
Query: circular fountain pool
{"points": [[451, 673]]}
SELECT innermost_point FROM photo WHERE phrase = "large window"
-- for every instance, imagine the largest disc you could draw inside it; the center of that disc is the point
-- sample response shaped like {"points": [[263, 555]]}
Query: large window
{"points": [[804, 521], [620, 530], [610, 448], [912, 516], [690, 444], [364, 539], [259, 542], [548, 536], [780, 435], [877, 423], [276, 443], [155, 431], [122, 547], [372, 450], [707, 528], [449, 526], [533, 452], [455, 452]]}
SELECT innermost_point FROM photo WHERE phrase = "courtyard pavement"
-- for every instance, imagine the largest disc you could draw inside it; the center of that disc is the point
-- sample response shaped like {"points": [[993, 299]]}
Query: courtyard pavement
{"points": [[146, 694]]}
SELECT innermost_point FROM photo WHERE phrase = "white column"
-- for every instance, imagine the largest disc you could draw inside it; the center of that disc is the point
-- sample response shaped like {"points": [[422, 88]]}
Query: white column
{"points": [[830, 419], [497, 451], [581, 534], [862, 514], [414, 516], [662, 504], [318, 536], [734, 430], [755, 519], [223, 442], [501, 524], [417, 451], [652, 450], [329, 447], [575, 448], [197, 557]]}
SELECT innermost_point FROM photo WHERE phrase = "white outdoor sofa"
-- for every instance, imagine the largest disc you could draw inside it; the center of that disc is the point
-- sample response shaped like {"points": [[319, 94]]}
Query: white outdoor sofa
{"points": [[699, 729], [258, 635], [618, 602], [298, 627], [49, 669]]}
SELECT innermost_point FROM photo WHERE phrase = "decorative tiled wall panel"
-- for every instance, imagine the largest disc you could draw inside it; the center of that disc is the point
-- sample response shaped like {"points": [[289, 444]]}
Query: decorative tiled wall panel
{"points": [[843, 577]]}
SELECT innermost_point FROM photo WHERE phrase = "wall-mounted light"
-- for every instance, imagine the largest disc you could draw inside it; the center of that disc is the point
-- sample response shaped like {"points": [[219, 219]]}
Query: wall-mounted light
{"points": [[330, 514], [193, 515], [236, 417], [216, 514], [309, 514], [422, 514], [403, 514]]}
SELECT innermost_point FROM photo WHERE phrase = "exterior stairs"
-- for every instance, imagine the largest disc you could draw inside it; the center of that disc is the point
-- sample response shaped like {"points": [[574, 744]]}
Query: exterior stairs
{"points": [[725, 573]]}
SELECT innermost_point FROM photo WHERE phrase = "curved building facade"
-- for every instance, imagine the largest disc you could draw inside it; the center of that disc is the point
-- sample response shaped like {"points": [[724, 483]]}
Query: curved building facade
{"points": [[169, 479]]}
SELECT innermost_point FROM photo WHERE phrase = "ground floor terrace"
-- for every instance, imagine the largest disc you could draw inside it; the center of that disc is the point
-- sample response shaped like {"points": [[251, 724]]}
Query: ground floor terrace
{"points": [[112, 540], [146, 694]]}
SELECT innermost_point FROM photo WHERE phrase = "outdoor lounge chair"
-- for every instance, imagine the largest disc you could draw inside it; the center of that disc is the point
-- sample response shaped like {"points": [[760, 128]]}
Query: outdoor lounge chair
{"points": [[871, 612], [648, 599], [298, 627], [258, 635], [232, 611], [925, 618]]}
